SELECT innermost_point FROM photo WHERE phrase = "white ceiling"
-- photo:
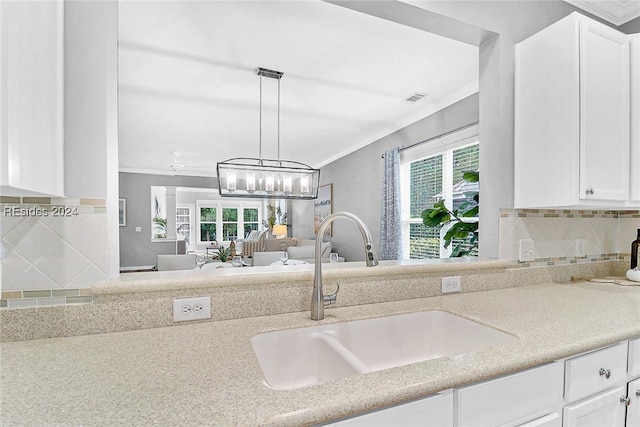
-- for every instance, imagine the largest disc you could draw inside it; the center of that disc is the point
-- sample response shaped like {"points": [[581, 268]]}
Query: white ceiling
{"points": [[187, 81]]}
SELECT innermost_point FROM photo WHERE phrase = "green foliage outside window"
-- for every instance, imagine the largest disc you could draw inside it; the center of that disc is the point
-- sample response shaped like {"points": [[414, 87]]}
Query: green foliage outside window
{"points": [[208, 214], [464, 235], [207, 232]]}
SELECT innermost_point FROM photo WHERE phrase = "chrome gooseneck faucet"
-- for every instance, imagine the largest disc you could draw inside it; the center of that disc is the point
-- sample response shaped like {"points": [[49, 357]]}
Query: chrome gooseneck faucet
{"points": [[318, 299]]}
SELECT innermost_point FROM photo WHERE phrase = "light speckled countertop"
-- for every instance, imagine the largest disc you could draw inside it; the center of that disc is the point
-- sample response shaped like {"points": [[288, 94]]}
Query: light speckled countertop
{"points": [[207, 373], [171, 280]]}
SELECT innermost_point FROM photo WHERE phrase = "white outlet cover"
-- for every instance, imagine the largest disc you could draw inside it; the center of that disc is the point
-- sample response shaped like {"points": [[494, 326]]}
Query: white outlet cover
{"points": [[183, 309], [527, 250], [581, 247], [451, 284]]}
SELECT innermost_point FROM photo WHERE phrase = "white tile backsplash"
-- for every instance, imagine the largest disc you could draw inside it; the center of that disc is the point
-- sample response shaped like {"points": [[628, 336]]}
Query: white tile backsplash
{"points": [[54, 252], [555, 232]]}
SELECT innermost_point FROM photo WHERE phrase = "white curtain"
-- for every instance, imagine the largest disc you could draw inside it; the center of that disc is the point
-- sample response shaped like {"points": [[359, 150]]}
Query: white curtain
{"points": [[391, 221]]}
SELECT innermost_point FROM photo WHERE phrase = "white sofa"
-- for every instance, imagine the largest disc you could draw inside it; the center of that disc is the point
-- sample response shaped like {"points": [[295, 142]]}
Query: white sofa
{"points": [[175, 262], [303, 251]]}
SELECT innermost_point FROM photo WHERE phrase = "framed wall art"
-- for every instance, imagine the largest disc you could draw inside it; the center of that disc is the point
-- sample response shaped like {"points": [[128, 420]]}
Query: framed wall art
{"points": [[322, 208]]}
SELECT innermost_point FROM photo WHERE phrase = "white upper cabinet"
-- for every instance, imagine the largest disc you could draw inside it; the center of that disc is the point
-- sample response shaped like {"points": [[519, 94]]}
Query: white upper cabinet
{"points": [[634, 46], [572, 128], [32, 98]]}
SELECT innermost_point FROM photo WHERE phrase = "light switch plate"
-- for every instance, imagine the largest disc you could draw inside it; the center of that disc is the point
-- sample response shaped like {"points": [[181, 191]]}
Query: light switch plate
{"points": [[527, 248]]}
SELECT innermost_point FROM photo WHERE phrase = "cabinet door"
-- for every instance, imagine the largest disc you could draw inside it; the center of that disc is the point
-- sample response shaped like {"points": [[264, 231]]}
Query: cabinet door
{"points": [[550, 420], [511, 400], [634, 46], [434, 411], [604, 112], [604, 409], [634, 358], [633, 410], [31, 99]]}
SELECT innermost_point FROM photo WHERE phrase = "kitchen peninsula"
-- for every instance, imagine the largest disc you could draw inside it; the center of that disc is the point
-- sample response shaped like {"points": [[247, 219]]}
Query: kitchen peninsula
{"points": [[207, 373]]}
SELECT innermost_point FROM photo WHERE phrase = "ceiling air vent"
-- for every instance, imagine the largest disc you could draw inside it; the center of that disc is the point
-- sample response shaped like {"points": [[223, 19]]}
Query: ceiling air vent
{"points": [[415, 97]]}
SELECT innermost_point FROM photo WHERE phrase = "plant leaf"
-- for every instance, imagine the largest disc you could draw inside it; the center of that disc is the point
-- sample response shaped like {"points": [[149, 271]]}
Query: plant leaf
{"points": [[435, 217], [471, 176], [473, 212]]}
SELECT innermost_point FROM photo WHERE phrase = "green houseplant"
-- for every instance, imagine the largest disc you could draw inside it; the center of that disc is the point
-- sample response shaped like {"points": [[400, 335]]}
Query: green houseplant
{"points": [[463, 232], [224, 254]]}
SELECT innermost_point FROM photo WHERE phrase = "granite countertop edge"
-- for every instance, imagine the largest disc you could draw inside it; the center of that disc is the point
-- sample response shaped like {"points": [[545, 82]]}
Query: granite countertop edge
{"points": [[247, 276]]}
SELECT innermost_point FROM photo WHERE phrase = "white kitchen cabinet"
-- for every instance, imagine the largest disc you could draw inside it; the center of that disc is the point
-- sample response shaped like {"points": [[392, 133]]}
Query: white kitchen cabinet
{"points": [[32, 98], [604, 409], [633, 410], [634, 358], [522, 398], [566, 393], [435, 411], [634, 46], [572, 117], [596, 386], [550, 420], [593, 372]]}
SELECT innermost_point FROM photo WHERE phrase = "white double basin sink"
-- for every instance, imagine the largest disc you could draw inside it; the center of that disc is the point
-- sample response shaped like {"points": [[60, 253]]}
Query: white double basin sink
{"points": [[302, 357]]}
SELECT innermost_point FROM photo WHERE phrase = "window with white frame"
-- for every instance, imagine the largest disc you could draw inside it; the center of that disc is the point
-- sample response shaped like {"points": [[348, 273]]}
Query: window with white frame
{"points": [[431, 172], [223, 221]]}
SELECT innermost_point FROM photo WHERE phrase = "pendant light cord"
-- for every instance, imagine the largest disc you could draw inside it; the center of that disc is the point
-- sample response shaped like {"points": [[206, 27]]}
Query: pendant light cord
{"points": [[260, 138], [279, 122]]}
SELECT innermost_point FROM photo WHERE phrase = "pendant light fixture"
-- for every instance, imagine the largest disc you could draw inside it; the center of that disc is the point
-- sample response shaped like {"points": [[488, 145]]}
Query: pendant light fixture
{"points": [[266, 178]]}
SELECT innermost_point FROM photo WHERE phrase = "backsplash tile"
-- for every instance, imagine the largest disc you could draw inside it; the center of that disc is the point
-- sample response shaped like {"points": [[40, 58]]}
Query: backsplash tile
{"points": [[607, 235], [43, 297], [53, 244]]}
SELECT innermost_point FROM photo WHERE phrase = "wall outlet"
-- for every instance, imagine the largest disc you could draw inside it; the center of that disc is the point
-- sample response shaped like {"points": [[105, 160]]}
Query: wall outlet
{"points": [[191, 309], [451, 284], [580, 247], [527, 247]]}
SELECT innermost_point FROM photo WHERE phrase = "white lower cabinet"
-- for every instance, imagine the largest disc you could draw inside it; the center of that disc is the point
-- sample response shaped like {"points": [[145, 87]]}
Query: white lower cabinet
{"points": [[633, 410], [551, 420], [599, 370], [600, 388], [432, 411], [634, 357], [517, 399], [604, 409]]}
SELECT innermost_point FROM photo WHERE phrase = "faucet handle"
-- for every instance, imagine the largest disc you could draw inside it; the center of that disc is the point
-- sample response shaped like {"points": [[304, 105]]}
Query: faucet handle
{"points": [[331, 299]]}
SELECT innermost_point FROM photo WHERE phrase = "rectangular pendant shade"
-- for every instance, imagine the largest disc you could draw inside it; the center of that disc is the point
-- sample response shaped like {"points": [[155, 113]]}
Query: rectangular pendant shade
{"points": [[263, 178]]}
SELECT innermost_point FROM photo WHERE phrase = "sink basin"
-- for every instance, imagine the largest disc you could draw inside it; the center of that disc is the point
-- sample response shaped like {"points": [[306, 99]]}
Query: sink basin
{"points": [[301, 357]]}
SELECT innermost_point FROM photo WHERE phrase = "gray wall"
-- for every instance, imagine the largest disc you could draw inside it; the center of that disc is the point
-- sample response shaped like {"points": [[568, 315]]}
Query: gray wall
{"points": [[136, 249], [357, 177]]}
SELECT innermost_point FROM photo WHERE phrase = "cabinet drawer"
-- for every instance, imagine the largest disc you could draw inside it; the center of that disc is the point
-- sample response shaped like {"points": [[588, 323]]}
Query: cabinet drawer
{"points": [[593, 372], [605, 409], [435, 411], [634, 357], [511, 400]]}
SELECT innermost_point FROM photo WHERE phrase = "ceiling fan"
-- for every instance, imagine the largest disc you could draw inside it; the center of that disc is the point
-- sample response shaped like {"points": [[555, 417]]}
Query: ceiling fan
{"points": [[177, 166]]}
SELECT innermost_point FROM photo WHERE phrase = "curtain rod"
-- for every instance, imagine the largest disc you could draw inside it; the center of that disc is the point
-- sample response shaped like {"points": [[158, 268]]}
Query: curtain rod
{"points": [[437, 137]]}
